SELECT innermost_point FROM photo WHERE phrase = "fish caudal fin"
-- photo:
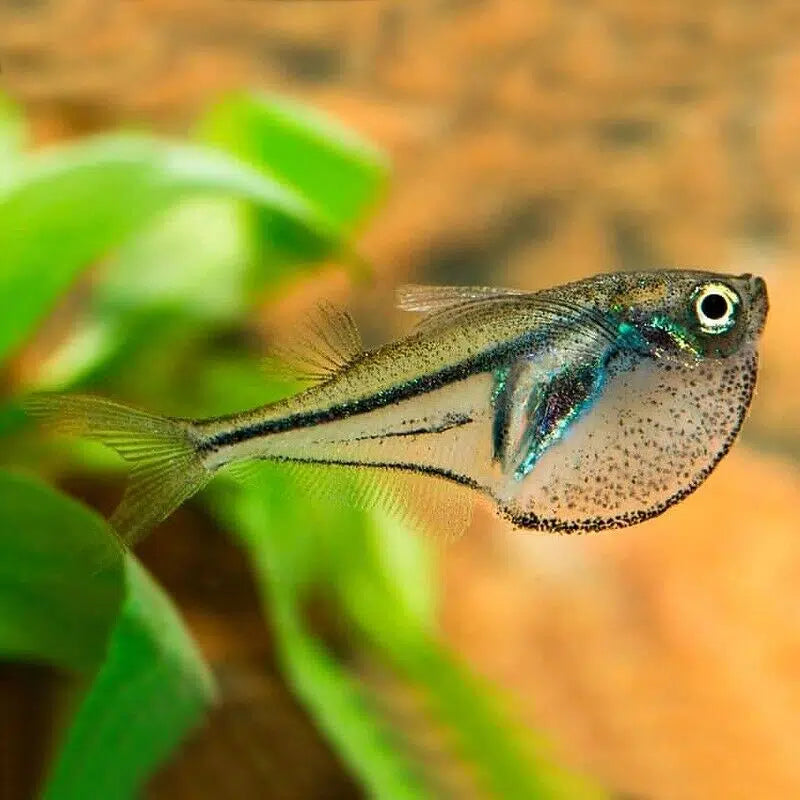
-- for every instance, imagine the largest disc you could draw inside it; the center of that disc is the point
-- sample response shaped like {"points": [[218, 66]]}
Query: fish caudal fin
{"points": [[167, 468]]}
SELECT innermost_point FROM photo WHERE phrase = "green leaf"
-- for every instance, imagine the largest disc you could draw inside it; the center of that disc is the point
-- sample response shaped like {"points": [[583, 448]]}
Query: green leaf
{"points": [[343, 713], [338, 173], [192, 260], [510, 763], [206, 258], [13, 136], [397, 623], [152, 688], [69, 597], [285, 560], [56, 605], [188, 266], [299, 549], [72, 204]]}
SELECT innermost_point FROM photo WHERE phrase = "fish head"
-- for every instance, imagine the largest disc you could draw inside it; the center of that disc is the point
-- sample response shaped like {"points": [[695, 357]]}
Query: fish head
{"points": [[691, 316]]}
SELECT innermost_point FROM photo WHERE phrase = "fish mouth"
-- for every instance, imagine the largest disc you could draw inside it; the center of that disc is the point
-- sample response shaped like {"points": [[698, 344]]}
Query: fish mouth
{"points": [[759, 301]]}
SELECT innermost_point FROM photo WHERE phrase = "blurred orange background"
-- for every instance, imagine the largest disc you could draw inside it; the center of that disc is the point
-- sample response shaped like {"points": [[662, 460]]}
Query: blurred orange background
{"points": [[533, 142]]}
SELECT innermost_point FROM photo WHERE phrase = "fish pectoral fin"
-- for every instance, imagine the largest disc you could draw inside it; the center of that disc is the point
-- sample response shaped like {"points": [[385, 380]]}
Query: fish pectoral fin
{"points": [[328, 342], [422, 298], [532, 412], [444, 304], [167, 468], [553, 409], [582, 329]]}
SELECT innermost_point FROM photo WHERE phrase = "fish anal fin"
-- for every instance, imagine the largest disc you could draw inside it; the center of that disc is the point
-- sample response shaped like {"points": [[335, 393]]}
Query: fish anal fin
{"points": [[428, 504], [551, 410], [536, 402], [328, 342], [166, 467], [432, 505], [244, 471]]}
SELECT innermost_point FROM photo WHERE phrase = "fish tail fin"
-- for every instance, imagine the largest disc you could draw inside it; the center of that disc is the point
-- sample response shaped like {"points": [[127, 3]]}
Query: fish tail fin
{"points": [[166, 465]]}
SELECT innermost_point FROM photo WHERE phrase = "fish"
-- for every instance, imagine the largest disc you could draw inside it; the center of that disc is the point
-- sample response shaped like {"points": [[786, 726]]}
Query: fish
{"points": [[593, 405]]}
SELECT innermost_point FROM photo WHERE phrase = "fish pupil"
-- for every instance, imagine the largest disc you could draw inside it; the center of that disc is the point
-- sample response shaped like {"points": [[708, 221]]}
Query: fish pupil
{"points": [[714, 306]]}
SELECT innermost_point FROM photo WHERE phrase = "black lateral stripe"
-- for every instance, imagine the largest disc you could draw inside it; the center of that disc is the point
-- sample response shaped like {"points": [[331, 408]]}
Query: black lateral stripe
{"points": [[453, 421], [424, 384]]}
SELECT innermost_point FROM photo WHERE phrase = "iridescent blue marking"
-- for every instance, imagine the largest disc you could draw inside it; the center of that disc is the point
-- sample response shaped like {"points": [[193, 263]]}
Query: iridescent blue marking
{"points": [[500, 403], [556, 404], [553, 406], [557, 401]]}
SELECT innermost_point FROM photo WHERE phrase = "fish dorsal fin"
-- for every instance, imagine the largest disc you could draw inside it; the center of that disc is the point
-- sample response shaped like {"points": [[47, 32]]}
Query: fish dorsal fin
{"points": [[327, 343], [444, 304]]}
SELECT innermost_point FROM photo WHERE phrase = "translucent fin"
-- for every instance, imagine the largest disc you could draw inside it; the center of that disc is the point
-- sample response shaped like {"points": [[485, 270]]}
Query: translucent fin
{"points": [[448, 305], [166, 466], [443, 305], [329, 342], [417, 297], [244, 471], [430, 505], [433, 505]]}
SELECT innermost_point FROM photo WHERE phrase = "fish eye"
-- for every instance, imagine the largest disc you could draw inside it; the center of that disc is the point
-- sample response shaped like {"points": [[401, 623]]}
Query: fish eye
{"points": [[715, 305]]}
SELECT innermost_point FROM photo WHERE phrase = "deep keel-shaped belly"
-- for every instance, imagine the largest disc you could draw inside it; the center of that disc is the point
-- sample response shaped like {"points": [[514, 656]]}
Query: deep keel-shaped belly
{"points": [[651, 437]]}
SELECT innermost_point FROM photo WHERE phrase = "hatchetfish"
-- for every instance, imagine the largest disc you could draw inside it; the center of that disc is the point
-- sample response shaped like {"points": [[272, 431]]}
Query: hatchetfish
{"points": [[593, 405]]}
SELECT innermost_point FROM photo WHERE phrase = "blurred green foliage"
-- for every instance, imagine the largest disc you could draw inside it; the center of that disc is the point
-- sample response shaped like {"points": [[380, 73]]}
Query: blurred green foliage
{"points": [[69, 597], [180, 241]]}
